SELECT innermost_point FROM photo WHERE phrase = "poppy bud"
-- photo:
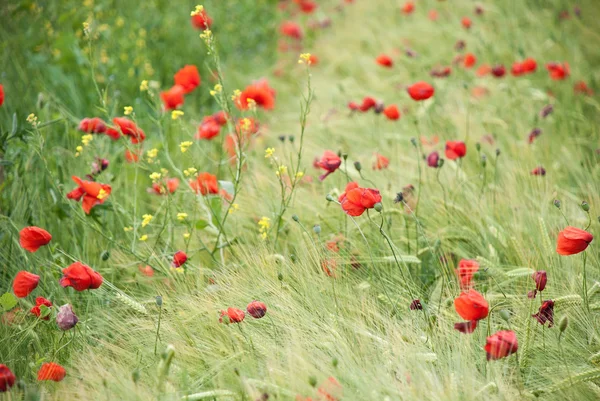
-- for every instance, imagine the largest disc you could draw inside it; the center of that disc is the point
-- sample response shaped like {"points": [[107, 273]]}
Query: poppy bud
{"points": [[483, 160], [477, 146], [505, 315], [256, 309], [379, 108], [557, 203], [292, 138], [441, 163], [135, 376], [317, 229], [564, 322], [295, 218], [413, 140], [105, 255], [280, 275], [378, 207], [159, 301], [585, 206], [282, 138], [416, 305], [497, 152], [334, 362], [546, 111], [329, 198], [357, 166], [66, 318], [179, 258], [312, 381]]}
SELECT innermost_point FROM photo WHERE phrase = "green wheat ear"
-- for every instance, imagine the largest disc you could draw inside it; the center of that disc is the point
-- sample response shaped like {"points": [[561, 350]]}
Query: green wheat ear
{"points": [[545, 238], [595, 359], [568, 301], [569, 382], [132, 303]]}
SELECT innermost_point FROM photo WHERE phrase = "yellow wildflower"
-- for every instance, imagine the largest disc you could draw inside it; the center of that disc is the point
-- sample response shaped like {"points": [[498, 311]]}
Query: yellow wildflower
{"points": [[127, 110], [189, 171], [182, 216], [184, 146], [33, 120], [127, 229], [146, 219], [269, 152], [144, 85], [186, 235], [175, 114], [155, 176], [143, 237], [304, 58], [197, 11]]}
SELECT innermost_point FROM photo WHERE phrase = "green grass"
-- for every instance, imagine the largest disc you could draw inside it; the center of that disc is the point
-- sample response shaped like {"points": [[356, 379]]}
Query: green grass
{"points": [[356, 327]]}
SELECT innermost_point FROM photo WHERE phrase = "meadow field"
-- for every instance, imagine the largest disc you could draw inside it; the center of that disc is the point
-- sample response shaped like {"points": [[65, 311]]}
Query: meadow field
{"points": [[308, 200]]}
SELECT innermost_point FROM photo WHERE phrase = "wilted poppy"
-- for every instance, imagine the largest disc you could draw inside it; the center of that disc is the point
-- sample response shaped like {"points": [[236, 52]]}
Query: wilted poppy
{"points": [[328, 162], [498, 71], [539, 171], [392, 112], [471, 305], [205, 184], [201, 20], [380, 162], [25, 283], [546, 313], [258, 93], [173, 97], [7, 378], [92, 125], [234, 315], [420, 91], [540, 277], [466, 269], [188, 78], [179, 258], [455, 150], [291, 30], [558, 71], [355, 200], [32, 238], [66, 319], [466, 327], [433, 159], [256, 309], [93, 193], [441, 72], [81, 277], [466, 22], [534, 134], [129, 128], [572, 240], [367, 103], [51, 371], [501, 344], [416, 305], [469, 60], [384, 60], [37, 311]]}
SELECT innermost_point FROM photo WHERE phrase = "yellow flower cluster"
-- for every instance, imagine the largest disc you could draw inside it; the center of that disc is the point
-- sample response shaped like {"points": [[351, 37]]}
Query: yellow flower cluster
{"points": [[182, 216], [175, 114], [144, 85], [206, 35], [269, 152], [155, 176], [184, 146], [236, 95], [127, 110], [146, 219], [151, 155], [263, 227], [33, 120], [127, 229], [234, 208], [282, 170], [143, 237], [304, 58], [218, 88], [190, 171], [197, 11], [85, 141]]}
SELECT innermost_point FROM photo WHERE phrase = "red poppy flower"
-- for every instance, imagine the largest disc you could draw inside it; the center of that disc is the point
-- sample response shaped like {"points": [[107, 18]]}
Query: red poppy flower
{"points": [[469, 60], [256, 309], [1, 103], [51, 371], [408, 7], [517, 69], [112, 133], [132, 157], [466, 327], [466, 22], [92, 125], [483, 70], [330, 390], [93, 193], [291, 30], [128, 127], [220, 117], [455, 150], [356, 199], [234, 315], [329, 162], [208, 129], [539, 171], [313, 60], [188, 78], [81, 277], [306, 6], [179, 258], [582, 88], [205, 183], [546, 313], [381, 162], [471, 305], [501, 344], [201, 20], [25, 283], [416, 305], [498, 71], [36, 310], [367, 103], [433, 15], [529, 65], [433, 159], [146, 270], [534, 134], [259, 93], [540, 277], [7, 378], [353, 106], [441, 72], [32, 238], [466, 269], [392, 112], [384, 60], [421, 91], [572, 240], [558, 71], [173, 97]]}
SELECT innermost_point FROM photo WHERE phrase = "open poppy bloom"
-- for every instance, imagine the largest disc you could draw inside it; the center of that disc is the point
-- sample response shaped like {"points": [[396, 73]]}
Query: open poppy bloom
{"points": [[546, 313], [420, 91], [558, 71], [306, 6], [356, 199], [471, 306], [81, 277], [256, 309], [51, 371], [466, 269], [408, 7], [205, 184], [232, 315], [128, 127], [392, 112], [25, 283], [433, 159], [173, 97], [258, 93], [179, 258], [92, 126], [384, 60], [501, 344], [36, 310], [572, 241], [381, 162], [367, 104], [93, 193], [539, 171], [188, 78], [7, 378], [329, 162], [469, 60], [201, 20], [208, 129], [455, 150], [466, 22], [32, 238], [291, 30]]}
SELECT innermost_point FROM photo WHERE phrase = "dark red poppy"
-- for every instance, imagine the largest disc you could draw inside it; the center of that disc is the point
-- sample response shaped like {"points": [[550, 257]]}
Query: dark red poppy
{"points": [[25, 283], [32, 238], [466, 269], [540, 277], [539, 171], [291, 30], [546, 313], [469, 60], [188, 78], [205, 184], [36, 310], [93, 193], [1, 103], [392, 112], [416, 305], [356, 199], [256, 309], [81, 277], [408, 7], [441, 72], [572, 240], [208, 129], [128, 127], [498, 71], [471, 305], [201, 20], [384, 60], [328, 162], [433, 159], [501, 344], [173, 97], [534, 134], [7, 378], [179, 258], [558, 71], [258, 93], [420, 91], [455, 150], [234, 315], [466, 327], [380, 162], [93, 125], [51, 371]]}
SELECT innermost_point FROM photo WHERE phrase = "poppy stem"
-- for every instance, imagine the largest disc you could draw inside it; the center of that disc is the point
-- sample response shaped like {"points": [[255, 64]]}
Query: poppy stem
{"points": [[444, 193], [585, 292], [158, 328]]}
